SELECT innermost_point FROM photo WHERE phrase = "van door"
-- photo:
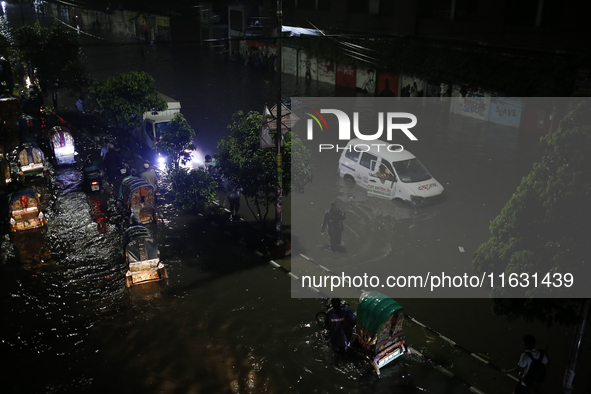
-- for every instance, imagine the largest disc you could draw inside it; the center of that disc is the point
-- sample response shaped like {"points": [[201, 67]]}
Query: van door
{"points": [[367, 165], [382, 182], [149, 128]]}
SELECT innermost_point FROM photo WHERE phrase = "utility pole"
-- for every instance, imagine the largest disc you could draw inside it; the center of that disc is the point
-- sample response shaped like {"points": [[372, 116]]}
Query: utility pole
{"points": [[279, 204]]}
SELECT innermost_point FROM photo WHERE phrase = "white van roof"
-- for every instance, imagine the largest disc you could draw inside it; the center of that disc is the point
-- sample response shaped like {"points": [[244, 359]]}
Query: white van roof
{"points": [[172, 103], [379, 148]]}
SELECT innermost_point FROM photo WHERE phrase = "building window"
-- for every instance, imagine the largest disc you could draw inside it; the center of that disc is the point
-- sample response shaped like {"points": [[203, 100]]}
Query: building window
{"points": [[358, 6], [236, 20], [523, 12], [551, 13], [434, 9], [465, 10], [324, 5], [387, 7], [307, 4]]}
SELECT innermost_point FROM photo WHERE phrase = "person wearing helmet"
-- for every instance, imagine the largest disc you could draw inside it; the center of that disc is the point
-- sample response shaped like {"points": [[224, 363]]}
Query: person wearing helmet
{"points": [[90, 161]]}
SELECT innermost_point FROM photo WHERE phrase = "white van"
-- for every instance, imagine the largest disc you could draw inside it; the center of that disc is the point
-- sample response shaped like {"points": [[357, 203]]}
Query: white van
{"points": [[388, 172]]}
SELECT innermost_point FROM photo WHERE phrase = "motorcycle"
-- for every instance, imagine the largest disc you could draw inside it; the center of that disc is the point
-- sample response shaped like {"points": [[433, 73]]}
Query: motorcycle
{"points": [[92, 176]]}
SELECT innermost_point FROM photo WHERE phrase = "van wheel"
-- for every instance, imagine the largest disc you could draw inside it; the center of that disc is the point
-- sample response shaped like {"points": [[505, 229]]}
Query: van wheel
{"points": [[349, 178]]}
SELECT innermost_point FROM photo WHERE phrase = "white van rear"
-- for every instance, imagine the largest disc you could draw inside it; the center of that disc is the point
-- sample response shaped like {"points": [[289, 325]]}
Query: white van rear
{"points": [[388, 172]]}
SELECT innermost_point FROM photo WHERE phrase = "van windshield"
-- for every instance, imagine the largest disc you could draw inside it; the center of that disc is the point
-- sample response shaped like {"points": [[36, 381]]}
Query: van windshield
{"points": [[411, 171], [161, 129]]}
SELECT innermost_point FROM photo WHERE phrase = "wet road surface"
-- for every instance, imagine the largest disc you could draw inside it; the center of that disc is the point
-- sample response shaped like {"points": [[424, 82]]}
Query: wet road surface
{"points": [[226, 321]]}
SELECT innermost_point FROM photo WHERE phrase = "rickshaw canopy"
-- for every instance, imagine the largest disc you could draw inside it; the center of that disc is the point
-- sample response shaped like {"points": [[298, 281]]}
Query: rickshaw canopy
{"points": [[137, 192], [61, 137], [139, 244], [63, 145], [24, 200], [375, 309], [29, 154], [5, 175], [29, 128]]}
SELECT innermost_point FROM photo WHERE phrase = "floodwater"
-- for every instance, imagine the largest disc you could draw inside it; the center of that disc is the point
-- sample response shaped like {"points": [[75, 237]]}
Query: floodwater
{"points": [[226, 321]]}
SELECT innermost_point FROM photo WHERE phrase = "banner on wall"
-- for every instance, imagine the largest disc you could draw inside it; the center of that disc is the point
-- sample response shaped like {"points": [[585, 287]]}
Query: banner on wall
{"points": [[308, 67], [470, 102], [387, 84], [346, 76], [505, 111], [289, 60], [326, 71], [365, 80], [412, 87]]}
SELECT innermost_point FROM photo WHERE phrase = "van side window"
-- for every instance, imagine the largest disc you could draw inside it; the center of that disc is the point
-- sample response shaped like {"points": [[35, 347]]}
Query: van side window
{"points": [[388, 166], [352, 155], [368, 161]]}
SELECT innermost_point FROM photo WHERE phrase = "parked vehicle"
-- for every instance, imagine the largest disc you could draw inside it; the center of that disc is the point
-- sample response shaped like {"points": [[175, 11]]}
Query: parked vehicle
{"points": [[142, 256], [24, 211], [63, 146], [10, 110], [5, 173], [29, 129], [29, 160], [388, 172], [379, 338], [93, 180], [138, 199], [156, 123], [379, 329]]}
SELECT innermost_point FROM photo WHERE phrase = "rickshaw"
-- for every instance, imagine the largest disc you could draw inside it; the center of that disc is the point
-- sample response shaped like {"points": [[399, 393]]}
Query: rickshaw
{"points": [[379, 329], [24, 211], [30, 161], [142, 256], [379, 339], [138, 199], [10, 110], [62, 144], [29, 129], [5, 173]]}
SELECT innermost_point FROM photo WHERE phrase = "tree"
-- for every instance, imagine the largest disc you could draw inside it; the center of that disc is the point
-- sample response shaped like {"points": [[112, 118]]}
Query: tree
{"points": [[541, 228], [126, 96], [54, 52], [242, 161], [194, 190], [301, 165], [177, 141]]}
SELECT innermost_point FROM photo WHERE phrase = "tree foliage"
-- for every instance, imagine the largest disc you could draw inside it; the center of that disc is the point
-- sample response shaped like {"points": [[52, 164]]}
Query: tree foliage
{"points": [[54, 52], [194, 190], [541, 228], [242, 161], [301, 165], [126, 96], [177, 141]]}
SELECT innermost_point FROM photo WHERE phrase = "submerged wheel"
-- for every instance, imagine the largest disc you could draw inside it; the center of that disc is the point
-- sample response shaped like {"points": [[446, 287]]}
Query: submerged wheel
{"points": [[321, 319], [365, 364]]}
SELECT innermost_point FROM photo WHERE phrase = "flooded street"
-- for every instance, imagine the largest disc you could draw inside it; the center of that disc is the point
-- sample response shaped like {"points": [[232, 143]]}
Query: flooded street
{"points": [[226, 321]]}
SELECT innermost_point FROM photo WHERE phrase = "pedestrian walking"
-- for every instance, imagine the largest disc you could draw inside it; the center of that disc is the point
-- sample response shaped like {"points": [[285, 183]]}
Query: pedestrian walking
{"points": [[333, 221], [104, 149], [234, 200], [80, 105], [531, 366], [149, 175], [340, 322], [112, 162]]}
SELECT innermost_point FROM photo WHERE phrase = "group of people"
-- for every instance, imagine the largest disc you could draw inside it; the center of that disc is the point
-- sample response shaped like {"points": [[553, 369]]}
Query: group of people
{"points": [[112, 160]]}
